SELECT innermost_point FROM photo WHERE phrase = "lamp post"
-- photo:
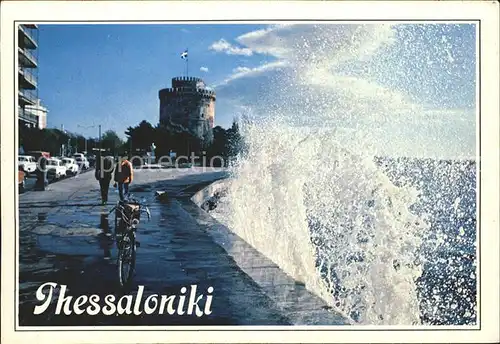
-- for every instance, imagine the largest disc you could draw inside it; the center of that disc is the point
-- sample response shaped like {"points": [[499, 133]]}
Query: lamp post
{"points": [[88, 127], [100, 143]]}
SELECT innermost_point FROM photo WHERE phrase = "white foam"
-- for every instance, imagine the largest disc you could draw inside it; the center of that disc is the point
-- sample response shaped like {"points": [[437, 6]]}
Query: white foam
{"points": [[306, 192], [286, 179]]}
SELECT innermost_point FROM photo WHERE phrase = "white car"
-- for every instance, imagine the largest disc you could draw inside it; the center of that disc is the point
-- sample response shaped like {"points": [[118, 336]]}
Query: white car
{"points": [[55, 169], [71, 165], [28, 163], [82, 162]]}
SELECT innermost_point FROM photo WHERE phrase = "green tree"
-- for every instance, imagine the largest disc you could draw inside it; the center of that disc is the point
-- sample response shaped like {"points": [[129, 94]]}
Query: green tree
{"points": [[80, 143], [141, 136], [111, 141], [234, 140]]}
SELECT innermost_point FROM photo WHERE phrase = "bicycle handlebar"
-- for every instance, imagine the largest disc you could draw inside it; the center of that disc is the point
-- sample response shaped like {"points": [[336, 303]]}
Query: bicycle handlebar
{"points": [[142, 208]]}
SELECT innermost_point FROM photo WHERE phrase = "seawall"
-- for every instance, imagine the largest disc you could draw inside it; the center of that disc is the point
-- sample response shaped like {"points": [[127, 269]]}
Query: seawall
{"points": [[292, 298]]}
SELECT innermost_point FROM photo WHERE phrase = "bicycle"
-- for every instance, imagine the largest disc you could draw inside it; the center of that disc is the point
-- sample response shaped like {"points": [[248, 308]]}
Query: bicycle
{"points": [[127, 216]]}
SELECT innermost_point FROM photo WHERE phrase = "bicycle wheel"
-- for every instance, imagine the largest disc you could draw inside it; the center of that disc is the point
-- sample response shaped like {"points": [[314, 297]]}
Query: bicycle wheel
{"points": [[126, 258], [116, 221], [120, 230]]}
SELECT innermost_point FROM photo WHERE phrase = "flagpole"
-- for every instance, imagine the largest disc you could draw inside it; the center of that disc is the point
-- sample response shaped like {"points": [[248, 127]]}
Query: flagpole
{"points": [[185, 56]]}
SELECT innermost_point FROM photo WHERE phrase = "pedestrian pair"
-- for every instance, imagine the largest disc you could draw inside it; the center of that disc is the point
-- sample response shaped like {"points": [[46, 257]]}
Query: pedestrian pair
{"points": [[122, 172]]}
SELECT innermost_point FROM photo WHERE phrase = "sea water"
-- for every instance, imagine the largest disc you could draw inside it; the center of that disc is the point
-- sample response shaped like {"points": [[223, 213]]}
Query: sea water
{"points": [[382, 240]]}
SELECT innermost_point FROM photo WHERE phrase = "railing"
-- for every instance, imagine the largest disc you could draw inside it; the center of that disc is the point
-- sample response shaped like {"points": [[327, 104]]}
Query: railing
{"points": [[28, 76], [27, 116], [27, 97], [28, 55], [28, 33]]}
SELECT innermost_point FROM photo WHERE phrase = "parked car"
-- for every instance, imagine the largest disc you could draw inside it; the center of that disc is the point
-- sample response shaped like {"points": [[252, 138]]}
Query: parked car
{"points": [[71, 166], [21, 180], [55, 169], [27, 163], [91, 159], [38, 154], [82, 162]]}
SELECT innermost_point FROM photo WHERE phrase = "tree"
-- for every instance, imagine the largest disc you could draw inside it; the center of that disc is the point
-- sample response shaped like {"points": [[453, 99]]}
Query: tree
{"points": [[80, 143], [234, 144], [52, 140], [111, 141], [141, 136]]}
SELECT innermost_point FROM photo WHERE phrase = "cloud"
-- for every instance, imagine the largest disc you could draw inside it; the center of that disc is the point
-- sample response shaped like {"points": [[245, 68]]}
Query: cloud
{"points": [[333, 42], [337, 75], [245, 72], [204, 69], [224, 46], [308, 50], [240, 69]]}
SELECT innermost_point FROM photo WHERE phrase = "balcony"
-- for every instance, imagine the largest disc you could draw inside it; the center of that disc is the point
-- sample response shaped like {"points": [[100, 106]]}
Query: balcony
{"points": [[27, 117], [26, 38], [26, 98], [26, 59], [26, 79]]}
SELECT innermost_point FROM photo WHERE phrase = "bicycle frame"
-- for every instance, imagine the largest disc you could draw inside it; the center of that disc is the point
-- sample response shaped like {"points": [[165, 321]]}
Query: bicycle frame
{"points": [[121, 209], [126, 242]]}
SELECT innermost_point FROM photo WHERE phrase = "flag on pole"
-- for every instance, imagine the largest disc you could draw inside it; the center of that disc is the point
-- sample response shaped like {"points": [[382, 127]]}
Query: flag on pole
{"points": [[184, 56]]}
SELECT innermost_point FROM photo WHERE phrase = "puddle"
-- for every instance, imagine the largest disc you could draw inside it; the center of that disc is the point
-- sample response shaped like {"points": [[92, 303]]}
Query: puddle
{"points": [[57, 230], [140, 188], [105, 238], [74, 246], [81, 239]]}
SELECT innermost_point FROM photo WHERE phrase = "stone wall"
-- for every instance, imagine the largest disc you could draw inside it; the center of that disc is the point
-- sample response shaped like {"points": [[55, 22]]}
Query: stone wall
{"points": [[189, 104]]}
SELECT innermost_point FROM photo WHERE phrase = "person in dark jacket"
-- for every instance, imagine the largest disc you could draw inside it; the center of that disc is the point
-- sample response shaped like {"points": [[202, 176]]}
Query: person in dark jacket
{"points": [[124, 174], [104, 174], [41, 173]]}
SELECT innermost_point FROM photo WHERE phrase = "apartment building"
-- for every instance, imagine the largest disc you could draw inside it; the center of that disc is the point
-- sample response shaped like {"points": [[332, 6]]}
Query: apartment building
{"points": [[28, 75]]}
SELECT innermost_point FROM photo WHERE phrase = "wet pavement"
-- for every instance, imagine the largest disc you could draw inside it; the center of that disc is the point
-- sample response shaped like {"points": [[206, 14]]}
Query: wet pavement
{"points": [[65, 237], [30, 181]]}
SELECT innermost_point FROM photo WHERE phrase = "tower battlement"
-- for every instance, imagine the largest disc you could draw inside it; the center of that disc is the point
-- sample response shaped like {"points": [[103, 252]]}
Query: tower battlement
{"points": [[186, 91], [187, 81]]}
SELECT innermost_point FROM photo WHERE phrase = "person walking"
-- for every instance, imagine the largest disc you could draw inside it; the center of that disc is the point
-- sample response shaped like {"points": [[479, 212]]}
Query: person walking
{"points": [[41, 173], [124, 175], [104, 174]]}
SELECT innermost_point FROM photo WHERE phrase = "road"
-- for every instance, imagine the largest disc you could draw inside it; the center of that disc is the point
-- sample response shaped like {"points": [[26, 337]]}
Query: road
{"points": [[62, 239]]}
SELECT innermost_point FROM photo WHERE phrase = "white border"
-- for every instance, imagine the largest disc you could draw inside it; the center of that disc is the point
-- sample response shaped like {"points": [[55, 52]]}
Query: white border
{"points": [[154, 10]]}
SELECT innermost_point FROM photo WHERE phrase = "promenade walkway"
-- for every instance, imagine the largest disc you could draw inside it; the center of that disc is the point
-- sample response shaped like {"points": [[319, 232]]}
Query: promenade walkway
{"points": [[62, 239]]}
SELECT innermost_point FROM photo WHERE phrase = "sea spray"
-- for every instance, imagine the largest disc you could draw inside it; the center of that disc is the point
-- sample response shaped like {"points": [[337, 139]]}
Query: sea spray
{"points": [[329, 218], [307, 192], [367, 241]]}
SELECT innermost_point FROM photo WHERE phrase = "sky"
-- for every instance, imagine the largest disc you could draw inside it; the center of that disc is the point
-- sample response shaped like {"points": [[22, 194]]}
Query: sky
{"points": [[410, 88]]}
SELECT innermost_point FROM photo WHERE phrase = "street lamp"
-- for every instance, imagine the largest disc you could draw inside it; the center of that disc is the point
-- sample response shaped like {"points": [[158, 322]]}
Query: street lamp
{"points": [[66, 150], [88, 127]]}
